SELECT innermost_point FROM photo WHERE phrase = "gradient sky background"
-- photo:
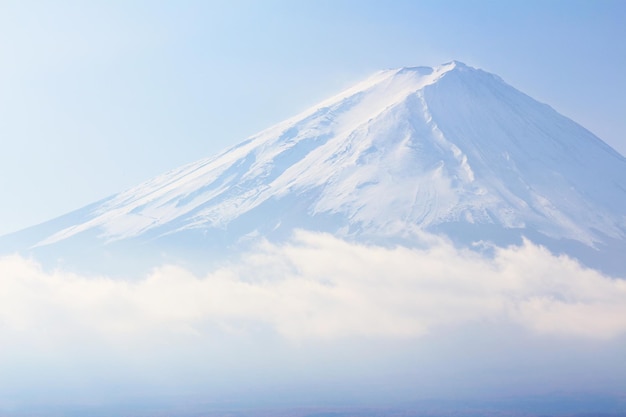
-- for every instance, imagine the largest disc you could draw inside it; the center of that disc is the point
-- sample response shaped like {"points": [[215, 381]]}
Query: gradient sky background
{"points": [[98, 96]]}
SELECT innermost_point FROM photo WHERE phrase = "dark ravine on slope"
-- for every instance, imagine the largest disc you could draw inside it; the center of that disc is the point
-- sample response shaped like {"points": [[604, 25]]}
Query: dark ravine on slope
{"points": [[450, 149]]}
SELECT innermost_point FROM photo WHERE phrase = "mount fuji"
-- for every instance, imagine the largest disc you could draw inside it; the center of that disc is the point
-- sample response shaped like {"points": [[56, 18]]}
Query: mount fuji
{"points": [[450, 150]]}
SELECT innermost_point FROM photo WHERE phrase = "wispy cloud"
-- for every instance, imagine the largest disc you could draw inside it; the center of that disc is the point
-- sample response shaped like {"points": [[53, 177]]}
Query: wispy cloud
{"points": [[317, 317], [320, 287]]}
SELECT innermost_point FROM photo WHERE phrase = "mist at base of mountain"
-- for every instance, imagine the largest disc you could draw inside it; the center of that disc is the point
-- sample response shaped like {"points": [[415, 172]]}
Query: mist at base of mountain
{"points": [[555, 405]]}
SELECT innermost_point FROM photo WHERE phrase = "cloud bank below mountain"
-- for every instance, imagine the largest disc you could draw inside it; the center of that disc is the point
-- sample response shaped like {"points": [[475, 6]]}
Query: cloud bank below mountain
{"points": [[319, 286], [315, 302]]}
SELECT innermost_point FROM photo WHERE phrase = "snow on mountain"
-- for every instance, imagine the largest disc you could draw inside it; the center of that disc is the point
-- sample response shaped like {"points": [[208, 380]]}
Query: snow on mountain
{"points": [[410, 149]]}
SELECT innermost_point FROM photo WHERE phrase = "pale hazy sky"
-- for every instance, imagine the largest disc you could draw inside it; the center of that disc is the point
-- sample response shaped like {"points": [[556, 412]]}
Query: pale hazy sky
{"points": [[97, 96]]}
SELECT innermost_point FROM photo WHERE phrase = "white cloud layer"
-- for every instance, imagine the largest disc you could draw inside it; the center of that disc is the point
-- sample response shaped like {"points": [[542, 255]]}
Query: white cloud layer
{"points": [[315, 319], [319, 287]]}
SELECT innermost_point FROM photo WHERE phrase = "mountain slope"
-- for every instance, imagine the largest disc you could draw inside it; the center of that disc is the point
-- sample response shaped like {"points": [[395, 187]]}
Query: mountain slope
{"points": [[451, 149]]}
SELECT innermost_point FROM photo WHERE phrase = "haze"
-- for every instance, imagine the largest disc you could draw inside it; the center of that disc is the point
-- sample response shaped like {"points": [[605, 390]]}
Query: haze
{"points": [[97, 97]]}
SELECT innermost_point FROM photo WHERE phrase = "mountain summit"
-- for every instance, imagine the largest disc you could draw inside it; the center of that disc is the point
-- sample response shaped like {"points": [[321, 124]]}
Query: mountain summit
{"points": [[450, 149]]}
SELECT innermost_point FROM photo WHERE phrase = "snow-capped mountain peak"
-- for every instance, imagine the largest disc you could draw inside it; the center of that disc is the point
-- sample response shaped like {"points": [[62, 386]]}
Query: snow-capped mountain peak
{"points": [[292, 147], [409, 149]]}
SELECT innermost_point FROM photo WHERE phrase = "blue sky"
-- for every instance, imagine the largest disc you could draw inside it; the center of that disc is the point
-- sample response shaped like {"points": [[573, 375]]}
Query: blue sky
{"points": [[97, 96]]}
